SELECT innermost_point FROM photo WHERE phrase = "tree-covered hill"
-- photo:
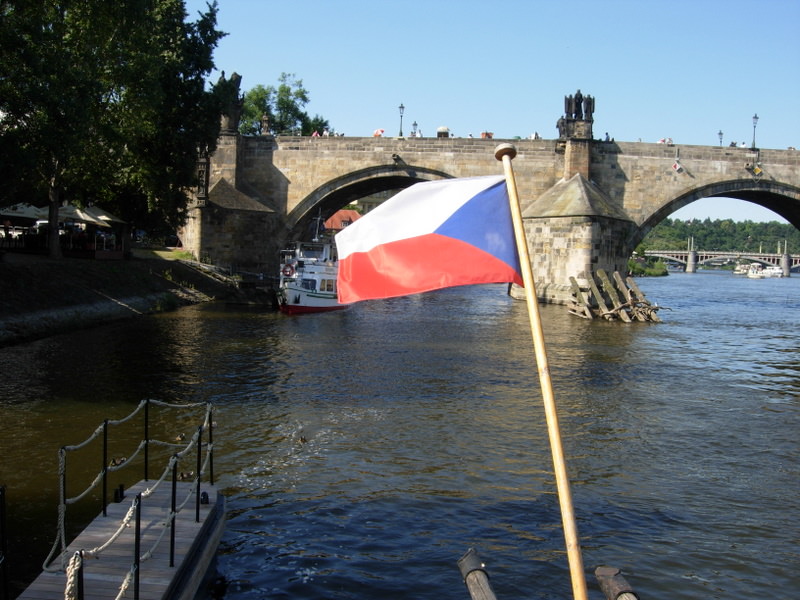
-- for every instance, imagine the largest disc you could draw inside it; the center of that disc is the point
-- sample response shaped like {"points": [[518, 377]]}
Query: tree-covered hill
{"points": [[722, 235]]}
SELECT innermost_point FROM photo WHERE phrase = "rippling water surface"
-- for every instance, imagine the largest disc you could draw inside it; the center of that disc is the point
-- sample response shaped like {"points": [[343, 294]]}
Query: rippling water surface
{"points": [[363, 452]]}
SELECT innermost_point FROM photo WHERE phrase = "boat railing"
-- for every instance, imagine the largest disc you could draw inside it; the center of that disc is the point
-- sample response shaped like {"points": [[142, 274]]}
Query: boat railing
{"points": [[181, 448]]}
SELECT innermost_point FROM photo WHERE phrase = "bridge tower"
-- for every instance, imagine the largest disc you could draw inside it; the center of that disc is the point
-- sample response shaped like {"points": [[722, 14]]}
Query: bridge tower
{"points": [[225, 225], [575, 228]]}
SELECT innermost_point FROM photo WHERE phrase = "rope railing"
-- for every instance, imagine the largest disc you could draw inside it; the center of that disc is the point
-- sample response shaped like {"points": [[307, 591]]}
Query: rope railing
{"points": [[195, 441]]}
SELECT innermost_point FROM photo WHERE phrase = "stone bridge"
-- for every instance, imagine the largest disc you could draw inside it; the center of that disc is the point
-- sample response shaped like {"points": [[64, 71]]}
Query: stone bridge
{"points": [[586, 203]]}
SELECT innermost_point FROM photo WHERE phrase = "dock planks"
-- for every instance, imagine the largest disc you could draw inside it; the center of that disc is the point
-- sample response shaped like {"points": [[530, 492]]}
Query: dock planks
{"points": [[195, 547]]}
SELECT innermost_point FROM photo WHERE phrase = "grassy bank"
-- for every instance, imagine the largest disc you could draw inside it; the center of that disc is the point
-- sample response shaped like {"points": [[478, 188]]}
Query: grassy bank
{"points": [[40, 296]]}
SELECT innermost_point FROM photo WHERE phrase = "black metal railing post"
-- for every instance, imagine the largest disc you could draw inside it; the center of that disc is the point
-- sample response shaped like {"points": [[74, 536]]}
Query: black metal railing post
{"points": [[211, 446], [197, 474], [3, 545], [80, 577], [137, 547], [63, 462], [173, 505], [146, 436], [105, 467]]}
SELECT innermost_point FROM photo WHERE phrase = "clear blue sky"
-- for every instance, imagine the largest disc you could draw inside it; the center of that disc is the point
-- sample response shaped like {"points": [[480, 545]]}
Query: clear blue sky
{"points": [[684, 69]]}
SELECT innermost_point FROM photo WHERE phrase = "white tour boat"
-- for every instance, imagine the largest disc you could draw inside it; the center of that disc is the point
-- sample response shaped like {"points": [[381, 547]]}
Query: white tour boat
{"points": [[756, 271], [741, 269], [307, 281], [773, 271], [759, 271]]}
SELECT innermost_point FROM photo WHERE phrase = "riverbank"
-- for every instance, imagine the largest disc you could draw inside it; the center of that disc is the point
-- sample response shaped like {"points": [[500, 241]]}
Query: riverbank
{"points": [[43, 296]]}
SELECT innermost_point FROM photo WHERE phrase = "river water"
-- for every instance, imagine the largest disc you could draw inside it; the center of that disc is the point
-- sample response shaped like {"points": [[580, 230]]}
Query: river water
{"points": [[363, 452]]}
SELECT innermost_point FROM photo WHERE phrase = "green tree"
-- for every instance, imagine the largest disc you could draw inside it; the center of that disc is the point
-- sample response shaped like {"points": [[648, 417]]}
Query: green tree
{"points": [[106, 101], [723, 235], [257, 110], [290, 98], [281, 108]]}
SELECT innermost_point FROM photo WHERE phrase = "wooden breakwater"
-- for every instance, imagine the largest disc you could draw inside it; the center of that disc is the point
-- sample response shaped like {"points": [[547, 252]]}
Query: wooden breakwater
{"points": [[611, 299]]}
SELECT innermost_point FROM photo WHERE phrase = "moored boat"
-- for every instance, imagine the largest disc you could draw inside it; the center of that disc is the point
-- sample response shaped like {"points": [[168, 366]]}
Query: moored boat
{"points": [[759, 271], [307, 282], [756, 271], [772, 271], [741, 269]]}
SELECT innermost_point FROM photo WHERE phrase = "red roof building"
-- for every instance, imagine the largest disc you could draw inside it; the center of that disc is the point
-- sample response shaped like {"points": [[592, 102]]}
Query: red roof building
{"points": [[341, 219]]}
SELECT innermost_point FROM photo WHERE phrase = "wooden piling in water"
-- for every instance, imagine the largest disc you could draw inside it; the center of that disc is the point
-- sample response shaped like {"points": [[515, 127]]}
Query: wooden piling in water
{"points": [[613, 584], [475, 577], [613, 299]]}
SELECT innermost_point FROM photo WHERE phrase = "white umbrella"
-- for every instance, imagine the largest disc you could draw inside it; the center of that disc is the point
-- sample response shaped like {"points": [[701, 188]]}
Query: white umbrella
{"points": [[102, 215], [24, 211], [73, 213]]}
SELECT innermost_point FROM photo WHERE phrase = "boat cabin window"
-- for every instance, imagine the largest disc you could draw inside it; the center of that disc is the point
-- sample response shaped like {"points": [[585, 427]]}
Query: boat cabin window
{"points": [[308, 284], [328, 285], [311, 252]]}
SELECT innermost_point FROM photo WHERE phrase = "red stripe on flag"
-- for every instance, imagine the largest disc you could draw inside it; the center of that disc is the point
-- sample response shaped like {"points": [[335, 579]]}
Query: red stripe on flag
{"points": [[416, 265]]}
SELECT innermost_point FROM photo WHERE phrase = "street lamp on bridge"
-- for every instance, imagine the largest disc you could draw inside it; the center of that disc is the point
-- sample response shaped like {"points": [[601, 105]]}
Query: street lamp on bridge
{"points": [[755, 122], [720, 138], [402, 108]]}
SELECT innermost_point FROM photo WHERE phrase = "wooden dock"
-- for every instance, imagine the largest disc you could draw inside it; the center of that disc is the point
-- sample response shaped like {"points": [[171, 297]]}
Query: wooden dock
{"points": [[195, 547]]}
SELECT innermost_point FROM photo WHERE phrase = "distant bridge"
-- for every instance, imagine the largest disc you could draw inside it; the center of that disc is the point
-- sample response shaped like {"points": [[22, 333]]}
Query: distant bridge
{"points": [[692, 258]]}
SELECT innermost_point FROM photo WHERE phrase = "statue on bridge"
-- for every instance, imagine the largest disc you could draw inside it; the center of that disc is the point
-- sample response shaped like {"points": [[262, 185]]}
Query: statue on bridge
{"points": [[228, 92], [588, 108], [578, 117], [579, 107]]}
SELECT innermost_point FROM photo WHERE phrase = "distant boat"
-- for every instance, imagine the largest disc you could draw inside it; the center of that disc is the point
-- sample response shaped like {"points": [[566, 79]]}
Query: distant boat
{"points": [[772, 271], [741, 269], [759, 271]]}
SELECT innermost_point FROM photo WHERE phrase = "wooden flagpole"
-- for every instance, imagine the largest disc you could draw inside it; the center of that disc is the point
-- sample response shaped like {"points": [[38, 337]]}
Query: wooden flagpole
{"points": [[504, 153]]}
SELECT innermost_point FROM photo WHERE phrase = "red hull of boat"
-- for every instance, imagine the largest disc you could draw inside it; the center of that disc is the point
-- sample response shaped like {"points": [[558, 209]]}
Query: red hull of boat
{"points": [[296, 309]]}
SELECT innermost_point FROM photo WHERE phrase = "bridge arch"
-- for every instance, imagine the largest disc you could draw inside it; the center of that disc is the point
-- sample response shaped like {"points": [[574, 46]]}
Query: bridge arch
{"points": [[341, 191], [781, 198]]}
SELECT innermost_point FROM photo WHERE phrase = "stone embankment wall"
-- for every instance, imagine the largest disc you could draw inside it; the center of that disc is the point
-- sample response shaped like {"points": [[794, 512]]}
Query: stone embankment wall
{"points": [[43, 297]]}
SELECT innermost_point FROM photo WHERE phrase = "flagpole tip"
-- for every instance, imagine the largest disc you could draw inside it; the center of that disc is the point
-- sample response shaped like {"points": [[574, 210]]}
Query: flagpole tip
{"points": [[505, 150]]}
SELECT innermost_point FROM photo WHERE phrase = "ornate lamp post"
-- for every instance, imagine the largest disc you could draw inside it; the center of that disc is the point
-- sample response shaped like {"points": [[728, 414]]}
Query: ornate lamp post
{"points": [[755, 122], [414, 129], [720, 138], [402, 108]]}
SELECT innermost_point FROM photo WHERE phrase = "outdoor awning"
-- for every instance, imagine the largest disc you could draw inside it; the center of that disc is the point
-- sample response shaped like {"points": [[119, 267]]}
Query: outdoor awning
{"points": [[24, 210], [93, 215], [102, 215], [73, 213]]}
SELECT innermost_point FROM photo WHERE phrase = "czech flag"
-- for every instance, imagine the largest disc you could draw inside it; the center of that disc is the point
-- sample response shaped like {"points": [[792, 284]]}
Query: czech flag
{"points": [[432, 235]]}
